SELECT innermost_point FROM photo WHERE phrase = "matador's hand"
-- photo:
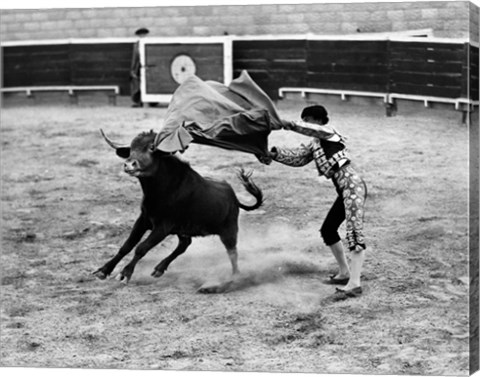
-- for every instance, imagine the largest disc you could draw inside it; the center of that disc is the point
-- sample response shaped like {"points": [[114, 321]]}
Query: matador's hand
{"points": [[267, 158]]}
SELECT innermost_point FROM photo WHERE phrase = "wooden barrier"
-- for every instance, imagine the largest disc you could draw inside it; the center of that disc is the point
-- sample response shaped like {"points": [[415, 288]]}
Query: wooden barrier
{"points": [[342, 93], [112, 90], [67, 63], [465, 105], [423, 68]]}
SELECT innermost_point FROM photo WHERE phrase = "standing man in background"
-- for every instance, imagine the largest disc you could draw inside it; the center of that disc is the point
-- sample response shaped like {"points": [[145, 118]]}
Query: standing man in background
{"points": [[135, 69]]}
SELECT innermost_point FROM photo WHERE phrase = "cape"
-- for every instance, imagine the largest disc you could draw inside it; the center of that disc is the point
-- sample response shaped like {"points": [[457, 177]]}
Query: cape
{"points": [[238, 117]]}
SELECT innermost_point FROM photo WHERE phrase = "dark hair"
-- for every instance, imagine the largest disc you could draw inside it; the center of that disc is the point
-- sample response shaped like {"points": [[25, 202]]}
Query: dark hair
{"points": [[317, 112]]}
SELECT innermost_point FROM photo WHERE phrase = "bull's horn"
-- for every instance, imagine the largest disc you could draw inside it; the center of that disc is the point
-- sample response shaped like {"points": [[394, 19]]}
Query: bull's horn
{"points": [[112, 143]]}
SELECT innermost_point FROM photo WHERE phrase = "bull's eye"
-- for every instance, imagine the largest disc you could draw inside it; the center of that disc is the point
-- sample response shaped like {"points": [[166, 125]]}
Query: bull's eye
{"points": [[151, 148]]}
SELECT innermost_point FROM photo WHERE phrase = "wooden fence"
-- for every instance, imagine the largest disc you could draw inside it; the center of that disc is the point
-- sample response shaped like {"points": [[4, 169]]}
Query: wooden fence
{"points": [[67, 64], [428, 68], [447, 70]]}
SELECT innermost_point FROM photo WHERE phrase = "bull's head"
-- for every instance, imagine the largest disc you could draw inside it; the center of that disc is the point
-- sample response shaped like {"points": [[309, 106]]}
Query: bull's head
{"points": [[139, 155]]}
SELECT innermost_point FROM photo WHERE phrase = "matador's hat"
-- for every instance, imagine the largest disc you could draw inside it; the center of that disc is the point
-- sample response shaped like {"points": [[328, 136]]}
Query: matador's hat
{"points": [[142, 31]]}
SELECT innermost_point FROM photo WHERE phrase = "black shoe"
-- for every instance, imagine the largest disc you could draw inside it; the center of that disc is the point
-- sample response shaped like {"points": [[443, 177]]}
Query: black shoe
{"points": [[334, 281], [355, 292]]}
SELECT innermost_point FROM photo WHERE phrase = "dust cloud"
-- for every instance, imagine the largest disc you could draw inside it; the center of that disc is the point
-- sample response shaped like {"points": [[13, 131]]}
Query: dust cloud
{"points": [[271, 259]]}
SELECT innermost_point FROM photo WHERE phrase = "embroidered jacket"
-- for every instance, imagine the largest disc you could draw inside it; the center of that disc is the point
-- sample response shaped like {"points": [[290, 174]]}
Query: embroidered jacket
{"points": [[327, 148]]}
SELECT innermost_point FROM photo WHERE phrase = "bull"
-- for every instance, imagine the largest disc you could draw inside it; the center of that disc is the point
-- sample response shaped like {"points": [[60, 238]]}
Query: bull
{"points": [[176, 201]]}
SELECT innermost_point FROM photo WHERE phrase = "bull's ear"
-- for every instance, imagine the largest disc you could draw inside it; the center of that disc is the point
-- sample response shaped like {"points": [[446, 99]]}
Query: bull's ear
{"points": [[123, 152]]}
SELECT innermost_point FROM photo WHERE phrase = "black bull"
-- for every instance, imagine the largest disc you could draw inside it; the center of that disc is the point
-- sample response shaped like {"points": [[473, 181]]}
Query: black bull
{"points": [[176, 201]]}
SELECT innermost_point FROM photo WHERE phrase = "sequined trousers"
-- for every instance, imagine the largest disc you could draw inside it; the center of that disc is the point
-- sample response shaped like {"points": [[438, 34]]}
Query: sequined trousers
{"points": [[352, 188]]}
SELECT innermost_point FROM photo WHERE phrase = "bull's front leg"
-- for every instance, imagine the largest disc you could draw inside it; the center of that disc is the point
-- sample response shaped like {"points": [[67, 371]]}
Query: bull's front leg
{"points": [[157, 235], [183, 243], [139, 228]]}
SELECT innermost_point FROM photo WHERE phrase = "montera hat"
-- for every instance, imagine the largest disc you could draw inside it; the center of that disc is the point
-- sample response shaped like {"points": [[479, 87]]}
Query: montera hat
{"points": [[142, 31], [317, 112]]}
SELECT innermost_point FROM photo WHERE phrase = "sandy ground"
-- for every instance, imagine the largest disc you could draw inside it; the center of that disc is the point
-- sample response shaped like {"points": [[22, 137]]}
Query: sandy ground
{"points": [[67, 207]]}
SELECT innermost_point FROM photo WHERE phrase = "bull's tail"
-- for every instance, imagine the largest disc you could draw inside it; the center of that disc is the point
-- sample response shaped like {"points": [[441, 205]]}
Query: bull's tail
{"points": [[252, 188]]}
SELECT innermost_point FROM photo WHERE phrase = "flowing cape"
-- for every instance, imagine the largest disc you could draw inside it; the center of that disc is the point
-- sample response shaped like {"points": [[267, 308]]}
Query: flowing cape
{"points": [[239, 116]]}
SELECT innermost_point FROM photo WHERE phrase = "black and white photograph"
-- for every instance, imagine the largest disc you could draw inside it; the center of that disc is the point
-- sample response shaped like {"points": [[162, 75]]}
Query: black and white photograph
{"points": [[240, 188]]}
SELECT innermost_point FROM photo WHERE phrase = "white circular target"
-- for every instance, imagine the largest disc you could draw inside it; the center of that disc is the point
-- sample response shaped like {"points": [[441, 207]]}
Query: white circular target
{"points": [[182, 67]]}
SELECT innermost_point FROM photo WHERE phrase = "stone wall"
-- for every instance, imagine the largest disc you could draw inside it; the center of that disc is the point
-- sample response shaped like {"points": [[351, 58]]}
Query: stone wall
{"points": [[453, 19], [473, 24]]}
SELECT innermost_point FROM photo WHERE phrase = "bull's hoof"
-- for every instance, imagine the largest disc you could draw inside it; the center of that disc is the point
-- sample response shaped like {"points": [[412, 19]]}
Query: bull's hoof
{"points": [[157, 273], [208, 290], [100, 274], [122, 278], [215, 288]]}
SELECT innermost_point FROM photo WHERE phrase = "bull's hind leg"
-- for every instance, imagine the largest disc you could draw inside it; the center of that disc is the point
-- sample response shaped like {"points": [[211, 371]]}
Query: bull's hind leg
{"points": [[229, 239], [183, 243], [230, 242]]}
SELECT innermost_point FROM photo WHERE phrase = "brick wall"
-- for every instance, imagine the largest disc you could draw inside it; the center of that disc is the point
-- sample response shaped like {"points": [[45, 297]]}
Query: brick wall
{"points": [[474, 25], [453, 19]]}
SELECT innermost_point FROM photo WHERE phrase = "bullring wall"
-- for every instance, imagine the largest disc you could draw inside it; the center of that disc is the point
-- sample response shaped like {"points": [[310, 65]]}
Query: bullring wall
{"points": [[93, 46], [451, 19], [410, 67]]}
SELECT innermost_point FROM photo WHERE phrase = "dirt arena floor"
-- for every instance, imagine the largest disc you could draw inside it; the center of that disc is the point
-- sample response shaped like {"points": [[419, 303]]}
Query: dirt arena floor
{"points": [[67, 207]]}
